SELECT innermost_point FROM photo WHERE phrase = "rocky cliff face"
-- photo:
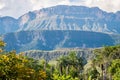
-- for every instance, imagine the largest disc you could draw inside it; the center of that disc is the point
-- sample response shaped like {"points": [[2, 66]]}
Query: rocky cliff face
{"points": [[64, 18], [71, 18], [87, 54], [61, 27]]}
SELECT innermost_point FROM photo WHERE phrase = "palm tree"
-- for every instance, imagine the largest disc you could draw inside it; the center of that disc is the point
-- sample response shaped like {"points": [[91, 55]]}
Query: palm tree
{"points": [[105, 55], [62, 63], [100, 60], [75, 62], [67, 63]]}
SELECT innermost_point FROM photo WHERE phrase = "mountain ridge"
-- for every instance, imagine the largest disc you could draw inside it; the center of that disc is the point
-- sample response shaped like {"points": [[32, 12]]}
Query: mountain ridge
{"points": [[55, 54], [61, 26], [63, 17]]}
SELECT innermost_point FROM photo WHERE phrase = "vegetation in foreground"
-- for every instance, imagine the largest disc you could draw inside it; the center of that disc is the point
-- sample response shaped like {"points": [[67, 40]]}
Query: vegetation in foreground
{"points": [[105, 65]]}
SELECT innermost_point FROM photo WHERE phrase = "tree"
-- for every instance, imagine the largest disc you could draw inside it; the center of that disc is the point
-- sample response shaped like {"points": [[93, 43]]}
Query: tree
{"points": [[63, 77], [62, 64], [114, 69], [70, 65], [93, 73], [2, 44], [105, 56], [117, 75], [17, 67]]}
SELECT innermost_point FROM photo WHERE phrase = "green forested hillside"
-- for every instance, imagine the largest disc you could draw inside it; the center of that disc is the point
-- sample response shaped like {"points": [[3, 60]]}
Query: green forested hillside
{"points": [[55, 39], [104, 65]]}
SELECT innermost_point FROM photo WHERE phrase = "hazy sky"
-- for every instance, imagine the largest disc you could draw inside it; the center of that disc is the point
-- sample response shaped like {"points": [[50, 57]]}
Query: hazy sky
{"points": [[16, 8]]}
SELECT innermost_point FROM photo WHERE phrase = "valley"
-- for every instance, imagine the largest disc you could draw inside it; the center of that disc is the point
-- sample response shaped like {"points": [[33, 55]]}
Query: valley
{"points": [[61, 43]]}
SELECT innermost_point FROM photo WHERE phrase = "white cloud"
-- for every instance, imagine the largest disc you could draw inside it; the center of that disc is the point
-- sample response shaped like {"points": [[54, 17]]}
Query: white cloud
{"points": [[1, 5], [16, 8], [37, 4], [107, 5]]}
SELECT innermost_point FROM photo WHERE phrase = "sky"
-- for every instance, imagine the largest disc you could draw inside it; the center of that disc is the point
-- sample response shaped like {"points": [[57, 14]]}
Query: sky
{"points": [[16, 8]]}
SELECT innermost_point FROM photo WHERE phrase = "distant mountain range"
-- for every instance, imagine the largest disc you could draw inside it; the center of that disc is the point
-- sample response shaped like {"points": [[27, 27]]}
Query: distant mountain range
{"points": [[64, 17], [8, 24], [61, 26]]}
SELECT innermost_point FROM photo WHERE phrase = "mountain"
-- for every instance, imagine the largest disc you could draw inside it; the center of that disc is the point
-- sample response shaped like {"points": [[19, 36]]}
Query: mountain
{"points": [[71, 18], [56, 39], [64, 17], [61, 27], [8, 24]]}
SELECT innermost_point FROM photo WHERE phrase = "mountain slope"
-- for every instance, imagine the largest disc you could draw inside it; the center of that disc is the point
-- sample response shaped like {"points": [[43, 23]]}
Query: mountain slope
{"points": [[61, 27], [49, 40], [71, 18], [64, 18], [8, 24]]}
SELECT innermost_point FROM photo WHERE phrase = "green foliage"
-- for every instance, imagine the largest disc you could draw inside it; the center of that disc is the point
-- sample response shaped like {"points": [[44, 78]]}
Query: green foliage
{"points": [[17, 67], [63, 77], [114, 69], [108, 59], [70, 65], [2, 44], [116, 76], [93, 73]]}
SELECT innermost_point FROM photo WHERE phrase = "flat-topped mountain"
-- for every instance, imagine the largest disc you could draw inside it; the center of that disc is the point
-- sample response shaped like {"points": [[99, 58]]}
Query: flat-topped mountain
{"points": [[64, 18], [61, 27]]}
